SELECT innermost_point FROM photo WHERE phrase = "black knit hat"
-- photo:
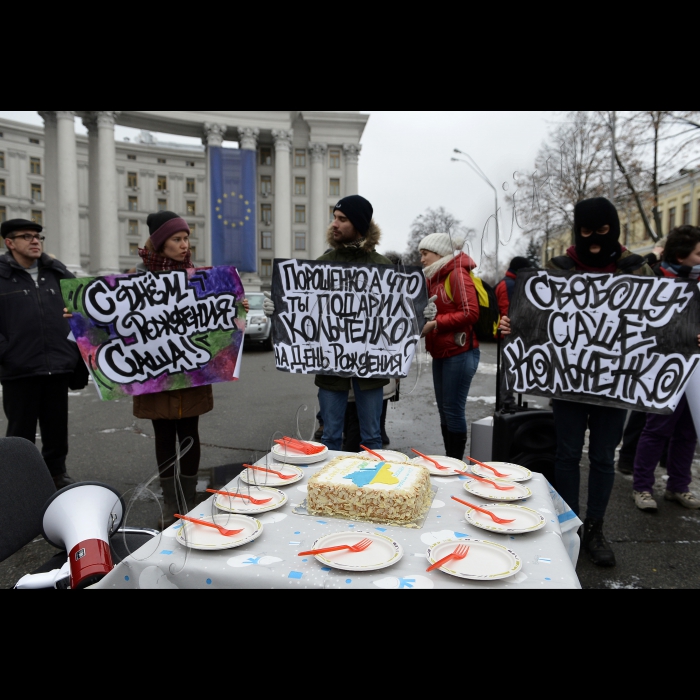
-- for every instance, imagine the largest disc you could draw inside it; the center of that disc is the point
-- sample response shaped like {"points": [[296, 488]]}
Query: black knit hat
{"points": [[163, 225], [358, 210], [518, 263], [12, 225]]}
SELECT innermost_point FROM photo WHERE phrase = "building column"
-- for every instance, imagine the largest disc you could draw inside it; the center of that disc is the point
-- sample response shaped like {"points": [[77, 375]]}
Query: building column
{"points": [[248, 138], [213, 136], [51, 178], [90, 123], [282, 224], [319, 219], [352, 157], [108, 220], [248, 141], [68, 212]]}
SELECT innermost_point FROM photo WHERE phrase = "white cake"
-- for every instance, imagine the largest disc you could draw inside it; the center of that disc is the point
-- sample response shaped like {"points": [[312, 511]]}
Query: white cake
{"points": [[362, 489]]}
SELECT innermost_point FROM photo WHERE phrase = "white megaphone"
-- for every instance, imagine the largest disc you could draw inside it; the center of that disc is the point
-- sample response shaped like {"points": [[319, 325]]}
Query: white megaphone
{"points": [[81, 518]]}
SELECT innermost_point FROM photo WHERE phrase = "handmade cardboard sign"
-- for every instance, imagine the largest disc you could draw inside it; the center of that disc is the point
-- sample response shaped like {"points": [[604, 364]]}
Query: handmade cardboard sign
{"points": [[158, 331], [625, 341], [358, 320]]}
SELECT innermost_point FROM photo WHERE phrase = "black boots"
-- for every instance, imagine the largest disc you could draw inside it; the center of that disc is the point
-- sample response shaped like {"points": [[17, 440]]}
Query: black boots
{"points": [[595, 544], [455, 445], [170, 507]]}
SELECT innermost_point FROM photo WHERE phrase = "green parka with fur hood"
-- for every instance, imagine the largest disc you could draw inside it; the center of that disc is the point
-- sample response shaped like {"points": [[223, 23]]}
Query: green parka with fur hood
{"points": [[365, 253]]}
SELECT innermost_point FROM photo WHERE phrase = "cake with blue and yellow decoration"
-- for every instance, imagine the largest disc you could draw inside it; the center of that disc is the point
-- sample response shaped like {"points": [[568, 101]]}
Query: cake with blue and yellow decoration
{"points": [[383, 492]]}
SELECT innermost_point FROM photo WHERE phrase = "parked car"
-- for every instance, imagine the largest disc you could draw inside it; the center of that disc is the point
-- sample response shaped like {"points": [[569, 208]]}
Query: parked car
{"points": [[259, 328]]}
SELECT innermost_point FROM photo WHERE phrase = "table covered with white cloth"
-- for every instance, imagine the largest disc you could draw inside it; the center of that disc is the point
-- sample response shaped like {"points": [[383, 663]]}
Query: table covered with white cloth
{"points": [[548, 556]]}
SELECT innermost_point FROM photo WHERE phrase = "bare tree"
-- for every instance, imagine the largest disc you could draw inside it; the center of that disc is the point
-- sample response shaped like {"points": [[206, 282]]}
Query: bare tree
{"points": [[433, 221]]}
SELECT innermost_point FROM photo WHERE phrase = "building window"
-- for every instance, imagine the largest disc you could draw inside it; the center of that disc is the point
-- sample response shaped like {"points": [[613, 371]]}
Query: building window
{"points": [[2, 160], [35, 141], [671, 219], [133, 227], [35, 166], [193, 252], [3, 215], [133, 203], [266, 267], [193, 230], [132, 180], [191, 186], [265, 156], [190, 164], [265, 185], [38, 217], [3, 189], [334, 159], [191, 208], [300, 185], [697, 221], [133, 249], [300, 214], [300, 158], [686, 214], [163, 205], [130, 156], [162, 161], [330, 213], [299, 240], [335, 187], [266, 240], [36, 192], [162, 183], [266, 214]]}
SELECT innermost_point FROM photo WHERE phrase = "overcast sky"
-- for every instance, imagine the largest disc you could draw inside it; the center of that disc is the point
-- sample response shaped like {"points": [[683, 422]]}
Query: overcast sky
{"points": [[405, 165]]}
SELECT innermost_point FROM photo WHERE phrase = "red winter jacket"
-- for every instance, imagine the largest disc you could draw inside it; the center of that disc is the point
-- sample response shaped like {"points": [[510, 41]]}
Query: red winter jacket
{"points": [[456, 316], [502, 292]]}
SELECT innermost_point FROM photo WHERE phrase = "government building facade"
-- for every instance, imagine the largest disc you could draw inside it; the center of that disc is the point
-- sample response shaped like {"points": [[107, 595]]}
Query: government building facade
{"points": [[93, 194]]}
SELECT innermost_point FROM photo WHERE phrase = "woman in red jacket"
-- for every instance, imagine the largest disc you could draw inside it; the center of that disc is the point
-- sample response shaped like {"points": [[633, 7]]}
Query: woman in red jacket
{"points": [[449, 338]]}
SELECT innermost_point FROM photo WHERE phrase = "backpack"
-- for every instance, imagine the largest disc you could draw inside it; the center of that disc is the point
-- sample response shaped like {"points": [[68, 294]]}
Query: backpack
{"points": [[486, 326]]}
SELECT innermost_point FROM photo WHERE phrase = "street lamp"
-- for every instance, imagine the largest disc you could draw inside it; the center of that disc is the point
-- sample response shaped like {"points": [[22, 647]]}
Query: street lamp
{"points": [[473, 165]]}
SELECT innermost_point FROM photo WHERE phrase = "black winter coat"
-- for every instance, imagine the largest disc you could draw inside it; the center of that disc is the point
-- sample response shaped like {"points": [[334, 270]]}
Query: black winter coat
{"points": [[33, 333]]}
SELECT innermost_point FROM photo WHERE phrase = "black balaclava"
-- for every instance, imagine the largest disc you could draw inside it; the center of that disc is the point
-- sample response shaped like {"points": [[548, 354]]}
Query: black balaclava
{"points": [[592, 214]]}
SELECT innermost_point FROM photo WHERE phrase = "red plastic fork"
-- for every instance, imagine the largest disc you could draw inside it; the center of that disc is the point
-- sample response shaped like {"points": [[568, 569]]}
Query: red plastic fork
{"points": [[359, 547], [270, 471], [376, 454], [300, 446], [430, 459], [222, 530], [459, 553], [495, 518], [254, 501], [488, 481], [486, 466]]}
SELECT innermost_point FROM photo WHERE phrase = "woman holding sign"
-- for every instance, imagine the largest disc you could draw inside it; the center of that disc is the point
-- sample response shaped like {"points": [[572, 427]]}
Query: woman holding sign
{"points": [[450, 338]]}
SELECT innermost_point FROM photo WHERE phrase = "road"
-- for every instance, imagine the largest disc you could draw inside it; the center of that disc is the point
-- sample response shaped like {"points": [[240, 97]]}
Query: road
{"points": [[109, 445]]}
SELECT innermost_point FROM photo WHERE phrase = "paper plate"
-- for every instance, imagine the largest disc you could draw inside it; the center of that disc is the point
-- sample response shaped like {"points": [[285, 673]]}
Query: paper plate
{"points": [[202, 537], [288, 456], [383, 551], [387, 455], [256, 477], [513, 472], [486, 561], [451, 462], [241, 505], [524, 519], [479, 488]]}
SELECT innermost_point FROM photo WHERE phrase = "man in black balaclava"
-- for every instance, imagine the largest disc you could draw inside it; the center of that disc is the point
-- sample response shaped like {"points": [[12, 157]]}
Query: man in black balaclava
{"points": [[597, 249]]}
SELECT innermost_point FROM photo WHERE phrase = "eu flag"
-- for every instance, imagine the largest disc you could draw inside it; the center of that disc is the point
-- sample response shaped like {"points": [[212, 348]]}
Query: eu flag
{"points": [[233, 208]]}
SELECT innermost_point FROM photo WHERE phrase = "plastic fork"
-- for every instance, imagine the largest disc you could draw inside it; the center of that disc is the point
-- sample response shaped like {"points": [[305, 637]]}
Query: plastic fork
{"points": [[430, 459], [495, 518], [376, 454], [359, 547], [459, 553], [488, 481], [254, 501], [300, 446], [486, 466], [271, 471], [222, 530]]}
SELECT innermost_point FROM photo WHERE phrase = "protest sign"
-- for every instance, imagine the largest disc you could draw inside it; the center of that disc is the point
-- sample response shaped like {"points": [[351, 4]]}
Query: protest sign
{"points": [[159, 331], [359, 320], [624, 341]]}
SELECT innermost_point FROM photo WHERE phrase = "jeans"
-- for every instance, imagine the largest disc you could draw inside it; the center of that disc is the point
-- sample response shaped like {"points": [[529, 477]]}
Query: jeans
{"points": [[369, 412], [679, 429], [606, 425], [452, 377]]}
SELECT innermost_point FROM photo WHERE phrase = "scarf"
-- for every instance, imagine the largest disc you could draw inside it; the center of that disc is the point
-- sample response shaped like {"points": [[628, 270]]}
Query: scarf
{"points": [[433, 269], [682, 270], [155, 261]]}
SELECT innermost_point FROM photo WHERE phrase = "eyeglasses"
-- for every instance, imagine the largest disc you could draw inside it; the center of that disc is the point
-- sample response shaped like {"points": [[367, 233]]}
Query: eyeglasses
{"points": [[29, 237]]}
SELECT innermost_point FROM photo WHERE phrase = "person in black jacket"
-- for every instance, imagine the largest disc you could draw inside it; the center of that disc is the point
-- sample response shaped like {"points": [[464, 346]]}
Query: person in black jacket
{"points": [[36, 357]]}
